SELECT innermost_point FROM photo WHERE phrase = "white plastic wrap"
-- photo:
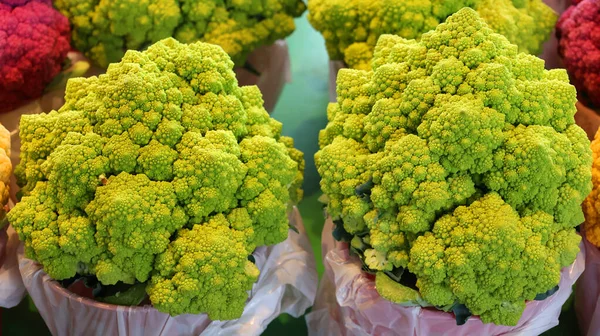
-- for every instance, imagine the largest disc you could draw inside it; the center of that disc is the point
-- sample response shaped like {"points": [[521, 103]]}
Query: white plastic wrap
{"points": [[287, 284], [11, 285], [587, 293], [348, 304]]}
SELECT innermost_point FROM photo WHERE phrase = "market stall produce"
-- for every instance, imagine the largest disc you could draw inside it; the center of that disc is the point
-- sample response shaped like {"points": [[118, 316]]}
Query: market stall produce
{"points": [[161, 175], [578, 32], [104, 30], [454, 169], [34, 42], [351, 28]]}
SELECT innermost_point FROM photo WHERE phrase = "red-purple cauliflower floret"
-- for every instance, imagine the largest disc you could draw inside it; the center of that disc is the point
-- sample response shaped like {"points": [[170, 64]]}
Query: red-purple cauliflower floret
{"points": [[15, 3], [34, 42], [578, 32]]}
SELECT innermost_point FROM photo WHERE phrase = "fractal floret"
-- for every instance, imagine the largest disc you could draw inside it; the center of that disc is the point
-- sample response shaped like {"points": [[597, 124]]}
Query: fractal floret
{"points": [[161, 171], [34, 42], [351, 28], [104, 30], [457, 159]]}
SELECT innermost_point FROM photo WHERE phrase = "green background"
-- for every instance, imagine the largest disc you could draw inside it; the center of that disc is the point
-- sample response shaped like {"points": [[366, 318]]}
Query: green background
{"points": [[302, 110]]}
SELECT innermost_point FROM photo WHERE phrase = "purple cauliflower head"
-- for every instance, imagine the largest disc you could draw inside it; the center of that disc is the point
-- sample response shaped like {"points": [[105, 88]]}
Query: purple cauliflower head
{"points": [[34, 42]]}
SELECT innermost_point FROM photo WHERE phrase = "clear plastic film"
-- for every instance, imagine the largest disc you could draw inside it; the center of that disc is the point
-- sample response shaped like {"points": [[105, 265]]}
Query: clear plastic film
{"points": [[272, 63], [287, 284], [348, 304], [587, 293]]}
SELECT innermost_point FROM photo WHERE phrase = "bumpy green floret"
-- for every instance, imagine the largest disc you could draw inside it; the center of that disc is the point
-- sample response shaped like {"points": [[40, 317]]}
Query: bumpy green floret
{"points": [[205, 269], [134, 217], [60, 241], [104, 30], [490, 258], [162, 161], [351, 28], [457, 158]]}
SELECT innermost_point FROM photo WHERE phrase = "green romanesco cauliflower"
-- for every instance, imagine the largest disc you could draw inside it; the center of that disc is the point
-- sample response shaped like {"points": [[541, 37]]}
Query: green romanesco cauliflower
{"points": [[457, 158], [205, 269], [351, 28], [139, 166], [104, 30]]}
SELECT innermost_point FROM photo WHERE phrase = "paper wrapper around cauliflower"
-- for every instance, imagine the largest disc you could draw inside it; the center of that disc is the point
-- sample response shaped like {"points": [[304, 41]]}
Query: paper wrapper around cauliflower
{"points": [[104, 30], [351, 28], [161, 170], [457, 158], [35, 40]]}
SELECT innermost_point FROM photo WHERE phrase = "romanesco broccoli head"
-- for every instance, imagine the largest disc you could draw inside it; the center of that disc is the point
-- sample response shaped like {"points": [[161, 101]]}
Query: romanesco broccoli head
{"points": [[104, 30], [136, 167], [448, 146], [351, 28]]}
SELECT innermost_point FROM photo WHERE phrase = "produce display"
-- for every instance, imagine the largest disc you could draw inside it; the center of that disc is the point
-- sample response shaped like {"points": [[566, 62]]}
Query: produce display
{"points": [[351, 28], [459, 189], [34, 42], [104, 30], [161, 174], [578, 32], [456, 161]]}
